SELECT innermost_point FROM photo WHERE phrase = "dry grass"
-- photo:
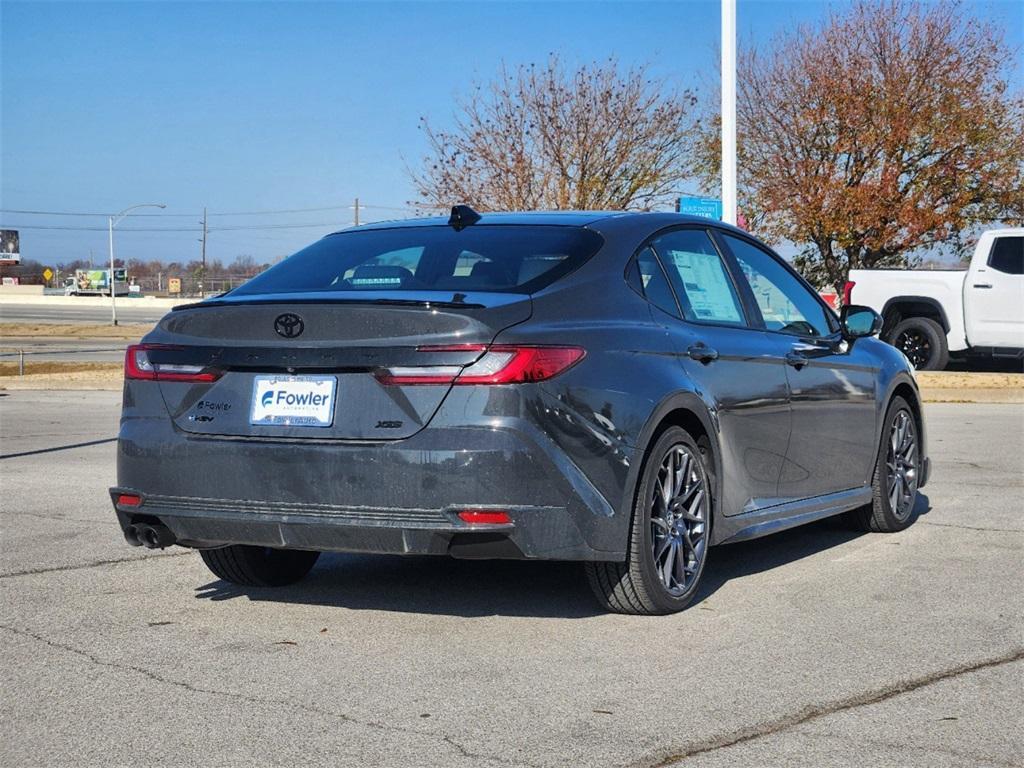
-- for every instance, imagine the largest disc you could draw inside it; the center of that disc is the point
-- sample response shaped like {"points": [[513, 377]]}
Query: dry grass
{"points": [[62, 376], [34, 369], [969, 380], [126, 332]]}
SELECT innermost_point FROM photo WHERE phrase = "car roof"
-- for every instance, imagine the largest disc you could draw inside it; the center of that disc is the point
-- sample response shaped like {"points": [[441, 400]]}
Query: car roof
{"points": [[548, 218]]}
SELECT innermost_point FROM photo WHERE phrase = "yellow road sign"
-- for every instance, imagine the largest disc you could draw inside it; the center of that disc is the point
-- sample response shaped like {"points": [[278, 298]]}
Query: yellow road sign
{"points": [[47, 273]]}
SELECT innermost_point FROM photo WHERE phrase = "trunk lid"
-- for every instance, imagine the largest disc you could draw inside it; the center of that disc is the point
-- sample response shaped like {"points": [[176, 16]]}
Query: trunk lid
{"points": [[345, 340]]}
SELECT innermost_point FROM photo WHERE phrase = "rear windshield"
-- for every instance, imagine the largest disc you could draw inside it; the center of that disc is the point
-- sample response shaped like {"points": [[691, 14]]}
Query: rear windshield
{"points": [[503, 258]]}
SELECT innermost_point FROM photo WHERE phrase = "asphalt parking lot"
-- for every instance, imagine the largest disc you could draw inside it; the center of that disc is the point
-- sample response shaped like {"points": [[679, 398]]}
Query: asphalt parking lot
{"points": [[815, 647]]}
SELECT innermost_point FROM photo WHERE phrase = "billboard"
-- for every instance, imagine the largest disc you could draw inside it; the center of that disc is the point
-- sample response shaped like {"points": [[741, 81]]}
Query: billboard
{"points": [[705, 207], [10, 247]]}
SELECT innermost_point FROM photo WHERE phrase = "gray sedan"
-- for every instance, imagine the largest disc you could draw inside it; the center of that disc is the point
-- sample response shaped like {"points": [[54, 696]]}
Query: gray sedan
{"points": [[623, 389]]}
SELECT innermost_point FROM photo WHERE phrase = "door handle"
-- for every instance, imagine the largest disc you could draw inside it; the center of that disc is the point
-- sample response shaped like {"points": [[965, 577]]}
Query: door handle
{"points": [[983, 285], [796, 360], [702, 353]]}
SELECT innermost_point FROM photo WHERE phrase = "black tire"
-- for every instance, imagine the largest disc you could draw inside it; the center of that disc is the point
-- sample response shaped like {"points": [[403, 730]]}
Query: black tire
{"points": [[880, 515], [635, 586], [923, 341], [259, 566]]}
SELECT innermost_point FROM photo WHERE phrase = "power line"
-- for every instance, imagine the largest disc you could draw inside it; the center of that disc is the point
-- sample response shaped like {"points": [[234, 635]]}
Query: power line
{"points": [[225, 213], [82, 213], [289, 210], [174, 229]]}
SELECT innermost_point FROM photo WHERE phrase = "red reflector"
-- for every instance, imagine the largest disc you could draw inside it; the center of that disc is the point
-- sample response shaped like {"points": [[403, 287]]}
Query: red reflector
{"points": [[848, 292], [128, 500], [486, 516]]}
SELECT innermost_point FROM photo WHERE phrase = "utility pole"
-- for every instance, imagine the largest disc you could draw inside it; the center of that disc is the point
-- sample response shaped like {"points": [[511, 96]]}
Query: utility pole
{"points": [[202, 271], [204, 239], [729, 111], [357, 211]]}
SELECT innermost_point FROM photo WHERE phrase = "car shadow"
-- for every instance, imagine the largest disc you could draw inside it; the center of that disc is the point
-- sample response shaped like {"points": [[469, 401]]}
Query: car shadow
{"points": [[746, 558], [539, 589]]}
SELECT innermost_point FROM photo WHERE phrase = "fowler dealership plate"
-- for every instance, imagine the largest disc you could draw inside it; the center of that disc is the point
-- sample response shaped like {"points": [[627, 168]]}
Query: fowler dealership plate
{"points": [[293, 401]]}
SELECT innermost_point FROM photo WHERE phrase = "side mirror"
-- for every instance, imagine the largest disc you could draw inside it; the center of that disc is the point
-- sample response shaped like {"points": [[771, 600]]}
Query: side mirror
{"points": [[858, 322]]}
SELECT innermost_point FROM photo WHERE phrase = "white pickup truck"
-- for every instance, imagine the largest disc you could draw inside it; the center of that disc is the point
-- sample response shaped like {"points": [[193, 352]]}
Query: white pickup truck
{"points": [[929, 314]]}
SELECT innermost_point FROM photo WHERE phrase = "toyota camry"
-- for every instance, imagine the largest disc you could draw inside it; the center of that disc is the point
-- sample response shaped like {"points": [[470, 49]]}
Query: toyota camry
{"points": [[627, 390]]}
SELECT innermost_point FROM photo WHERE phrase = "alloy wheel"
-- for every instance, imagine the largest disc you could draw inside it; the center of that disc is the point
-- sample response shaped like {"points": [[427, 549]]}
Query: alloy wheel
{"points": [[679, 514], [901, 464], [916, 346]]}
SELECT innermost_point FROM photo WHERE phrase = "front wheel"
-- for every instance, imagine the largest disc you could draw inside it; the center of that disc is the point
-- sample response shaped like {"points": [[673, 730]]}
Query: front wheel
{"points": [[259, 566], [669, 534], [896, 476]]}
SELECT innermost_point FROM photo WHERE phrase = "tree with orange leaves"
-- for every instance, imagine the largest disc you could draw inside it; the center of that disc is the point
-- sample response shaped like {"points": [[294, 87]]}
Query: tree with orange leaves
{"points": [[881, 132]]}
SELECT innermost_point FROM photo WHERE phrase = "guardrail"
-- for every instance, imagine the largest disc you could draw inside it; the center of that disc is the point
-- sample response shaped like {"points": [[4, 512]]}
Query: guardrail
{"points": [[20, 352]]}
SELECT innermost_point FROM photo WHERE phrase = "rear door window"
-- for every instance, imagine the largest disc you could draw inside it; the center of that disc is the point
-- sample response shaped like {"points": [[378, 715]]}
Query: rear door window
{"points": [[699, 277], [501, 258], [1007, 255]]}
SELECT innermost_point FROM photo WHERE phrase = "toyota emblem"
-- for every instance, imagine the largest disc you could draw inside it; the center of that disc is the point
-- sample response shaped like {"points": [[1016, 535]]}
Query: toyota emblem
{"points": [[289, 325]]}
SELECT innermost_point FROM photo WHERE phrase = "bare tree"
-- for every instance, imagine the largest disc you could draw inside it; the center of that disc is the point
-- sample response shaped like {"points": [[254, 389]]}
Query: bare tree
{"points": [[542, 137], [886, 129]]}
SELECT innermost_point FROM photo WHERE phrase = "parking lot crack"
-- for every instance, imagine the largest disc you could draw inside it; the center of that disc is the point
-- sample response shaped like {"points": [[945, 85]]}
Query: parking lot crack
{"points": [[971, 527], [894, 748], [810, 713], [93, 564], [257, 700]]}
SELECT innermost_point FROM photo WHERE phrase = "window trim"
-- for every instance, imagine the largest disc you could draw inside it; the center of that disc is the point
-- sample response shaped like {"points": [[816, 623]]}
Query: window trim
{"points": [[830, 315], [648, 242]]}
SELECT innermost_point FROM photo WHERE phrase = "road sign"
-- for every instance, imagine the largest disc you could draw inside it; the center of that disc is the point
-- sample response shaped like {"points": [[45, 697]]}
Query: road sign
{"points": [[47, 274], [705, 207], [174, 285]]}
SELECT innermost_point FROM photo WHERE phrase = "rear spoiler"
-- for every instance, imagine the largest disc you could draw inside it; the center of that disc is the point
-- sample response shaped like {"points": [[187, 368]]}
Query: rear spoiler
{"points": [[425, 303]]}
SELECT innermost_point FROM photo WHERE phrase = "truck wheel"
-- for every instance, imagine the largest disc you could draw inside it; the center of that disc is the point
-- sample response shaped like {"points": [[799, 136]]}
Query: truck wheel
{"points": [[259, 566], [922, 340], [669, 534]]}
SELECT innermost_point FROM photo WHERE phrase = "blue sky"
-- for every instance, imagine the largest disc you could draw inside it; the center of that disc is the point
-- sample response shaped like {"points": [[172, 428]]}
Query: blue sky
{"points": [[250, 106]]}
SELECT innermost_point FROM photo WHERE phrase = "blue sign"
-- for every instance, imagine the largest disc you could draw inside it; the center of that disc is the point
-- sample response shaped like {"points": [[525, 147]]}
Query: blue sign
{"points": [[705, 207]]}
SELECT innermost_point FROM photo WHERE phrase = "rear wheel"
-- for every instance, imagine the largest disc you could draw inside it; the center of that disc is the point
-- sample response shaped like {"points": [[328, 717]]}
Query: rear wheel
{"points": [[896, 476], [259, 566], [669, 534], [923, 341]]}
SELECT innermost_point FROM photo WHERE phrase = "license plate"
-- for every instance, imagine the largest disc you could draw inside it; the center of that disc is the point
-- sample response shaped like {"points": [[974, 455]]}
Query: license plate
{"points": [[293, 401]]}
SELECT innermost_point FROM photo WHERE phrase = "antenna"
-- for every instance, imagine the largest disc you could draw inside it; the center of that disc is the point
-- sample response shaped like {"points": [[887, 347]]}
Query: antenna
{"points": [[462, 217]]}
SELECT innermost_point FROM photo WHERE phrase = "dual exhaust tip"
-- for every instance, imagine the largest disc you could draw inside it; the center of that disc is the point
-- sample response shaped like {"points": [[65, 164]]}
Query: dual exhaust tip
{"points": [[149, 535]]}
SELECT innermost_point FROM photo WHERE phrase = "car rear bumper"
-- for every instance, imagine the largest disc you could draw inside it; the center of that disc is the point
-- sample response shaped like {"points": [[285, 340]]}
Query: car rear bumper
{"points": [[535, 532], [401, 497]]}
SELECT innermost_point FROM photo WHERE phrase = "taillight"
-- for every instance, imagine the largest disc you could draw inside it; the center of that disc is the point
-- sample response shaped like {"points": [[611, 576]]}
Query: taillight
{"points": [[129, 500], [848, 292], [137, 365], [484, 517], [500, 364]]}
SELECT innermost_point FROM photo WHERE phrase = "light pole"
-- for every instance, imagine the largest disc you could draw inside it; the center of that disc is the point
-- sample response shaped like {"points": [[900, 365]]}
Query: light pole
{"points": [[111, 221], [729, 111]]}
